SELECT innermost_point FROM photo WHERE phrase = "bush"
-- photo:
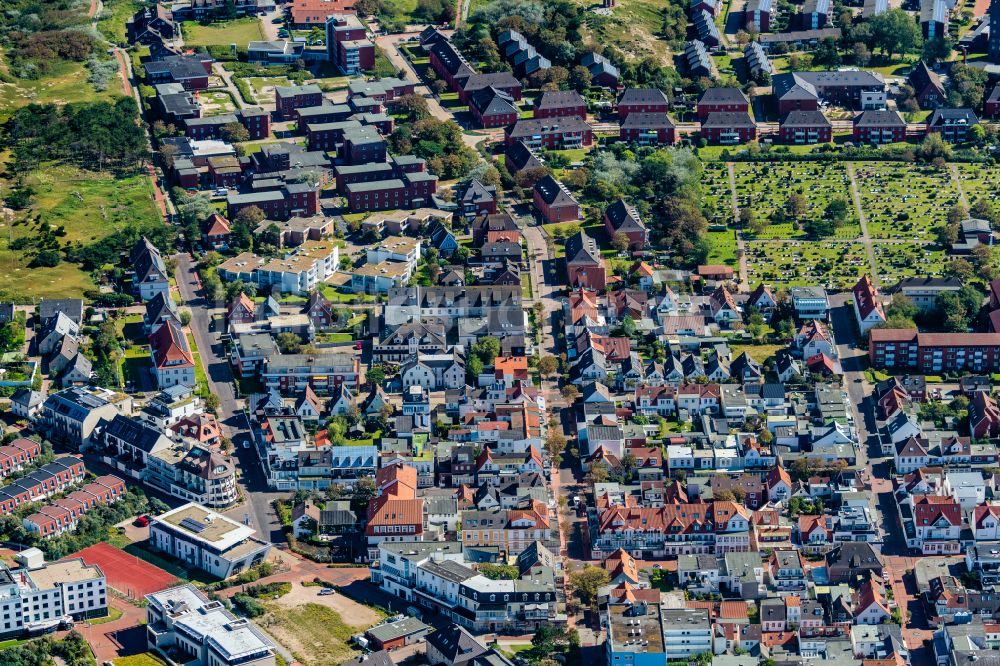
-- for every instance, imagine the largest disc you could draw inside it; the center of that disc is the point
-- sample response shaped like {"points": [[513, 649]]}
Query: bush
{"points": [[248, 606]]}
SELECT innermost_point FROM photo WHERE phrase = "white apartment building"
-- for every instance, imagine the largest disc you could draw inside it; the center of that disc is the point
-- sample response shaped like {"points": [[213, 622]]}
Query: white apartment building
{"points": [[184, 624], [208, 540], [39, 595]]}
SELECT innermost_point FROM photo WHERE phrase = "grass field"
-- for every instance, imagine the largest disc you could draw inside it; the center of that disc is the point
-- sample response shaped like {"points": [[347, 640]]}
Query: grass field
{"points": [[238, 31], [904, 201], [759, 353], [723, 244], [980, 181], [67, 82], [90, 206], [765, 187], [315, 634], [141, 659], [799, 263], [263, 87], [632, 27]]}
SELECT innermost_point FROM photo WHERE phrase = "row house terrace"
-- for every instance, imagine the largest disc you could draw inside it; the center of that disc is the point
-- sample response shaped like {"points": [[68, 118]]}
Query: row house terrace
{"points": [[678, 529]]}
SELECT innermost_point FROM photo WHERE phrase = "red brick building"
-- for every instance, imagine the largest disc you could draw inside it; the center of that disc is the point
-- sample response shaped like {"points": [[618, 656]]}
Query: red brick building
{"points": [[726, 128], [289, 98], [620, 217], [560, 103], [585, 266], [879, 127], [554, 201], [348, 45], [991, 108], [805, 127], [716, 100], [642, 100], [934, 352], [552, 133], [493, 108], [648, 129]]}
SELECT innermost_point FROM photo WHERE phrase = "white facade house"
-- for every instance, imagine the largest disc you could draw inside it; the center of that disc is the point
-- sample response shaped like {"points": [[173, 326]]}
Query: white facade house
{"points": [[182, 622], [208, 540], [39, 594]]}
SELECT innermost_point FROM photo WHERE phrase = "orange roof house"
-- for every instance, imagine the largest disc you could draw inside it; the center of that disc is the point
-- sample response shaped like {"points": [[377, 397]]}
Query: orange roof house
{"points": [[308, 13], [511, 368], [621, 565]]}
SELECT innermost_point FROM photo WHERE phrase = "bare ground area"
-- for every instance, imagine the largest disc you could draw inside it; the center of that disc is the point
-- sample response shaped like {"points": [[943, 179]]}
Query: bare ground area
{"points": [[355, 613]]}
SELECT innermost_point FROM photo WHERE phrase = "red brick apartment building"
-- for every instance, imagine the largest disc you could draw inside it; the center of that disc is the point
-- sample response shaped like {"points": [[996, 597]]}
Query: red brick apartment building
{"points": [[560, 103], [289, 98], [642, 100], [716, 100], [906, 348]]}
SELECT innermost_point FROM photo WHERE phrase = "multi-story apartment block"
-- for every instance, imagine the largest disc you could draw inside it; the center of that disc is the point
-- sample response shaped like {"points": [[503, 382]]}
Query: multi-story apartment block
{"points": [[182, 620], [207, 540], [193, 474], [40, 596], [934, 352], [348, 45]]}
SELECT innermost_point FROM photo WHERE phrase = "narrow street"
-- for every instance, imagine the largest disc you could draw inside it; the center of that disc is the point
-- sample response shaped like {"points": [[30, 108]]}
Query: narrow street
{"points": [[231, 415]]}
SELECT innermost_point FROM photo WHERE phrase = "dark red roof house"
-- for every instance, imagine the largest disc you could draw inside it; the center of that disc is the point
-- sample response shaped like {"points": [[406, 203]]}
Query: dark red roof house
{"points": [[642, 100], [554, 201], [648, 129], [560, 103], [726, 128], [715, 100]]}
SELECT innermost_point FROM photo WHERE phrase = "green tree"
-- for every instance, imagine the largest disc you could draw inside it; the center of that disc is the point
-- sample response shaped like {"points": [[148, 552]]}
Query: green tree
{"points": [[486, 349], [587, 581], [895, 32], [376, 375]]}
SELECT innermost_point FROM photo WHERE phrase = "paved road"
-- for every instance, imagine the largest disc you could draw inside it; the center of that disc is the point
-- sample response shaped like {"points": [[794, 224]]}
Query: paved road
{"points": [[231, 415]]}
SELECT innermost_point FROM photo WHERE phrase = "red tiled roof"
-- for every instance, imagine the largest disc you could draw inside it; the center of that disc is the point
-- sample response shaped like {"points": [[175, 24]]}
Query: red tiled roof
{"points": [[928, 508], [170, 347]]}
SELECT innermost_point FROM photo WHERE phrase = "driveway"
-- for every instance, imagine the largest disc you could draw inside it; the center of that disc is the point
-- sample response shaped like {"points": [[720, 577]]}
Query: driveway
{"points": [[390, 46], [257, 509]]}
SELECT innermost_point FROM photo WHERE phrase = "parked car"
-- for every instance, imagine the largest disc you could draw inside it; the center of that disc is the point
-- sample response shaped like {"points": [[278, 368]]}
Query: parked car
{"points": [[142, 521]]}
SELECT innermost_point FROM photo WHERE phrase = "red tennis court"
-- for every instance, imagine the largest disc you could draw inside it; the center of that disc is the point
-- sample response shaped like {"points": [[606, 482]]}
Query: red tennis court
{"points": [[126, 573]]}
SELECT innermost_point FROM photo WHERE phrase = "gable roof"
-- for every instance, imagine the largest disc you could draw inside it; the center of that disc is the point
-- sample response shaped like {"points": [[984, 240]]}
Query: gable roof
{"points": [[582, 249], [170, 346], [553, 192]]}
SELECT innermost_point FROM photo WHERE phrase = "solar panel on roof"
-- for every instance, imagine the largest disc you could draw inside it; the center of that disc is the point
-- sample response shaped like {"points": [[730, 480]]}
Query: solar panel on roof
{"points": [[193, 525]]}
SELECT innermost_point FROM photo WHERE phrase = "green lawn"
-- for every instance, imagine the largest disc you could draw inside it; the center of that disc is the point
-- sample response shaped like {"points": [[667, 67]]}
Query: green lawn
{"points": [[136, 365], [142, 659], [216, 102], [113, 614], [723, 248], [716, 194], [979, 181], [759, 353], [335, 337], [90, 206], [559, 230], [263, 86], [238, 31]]}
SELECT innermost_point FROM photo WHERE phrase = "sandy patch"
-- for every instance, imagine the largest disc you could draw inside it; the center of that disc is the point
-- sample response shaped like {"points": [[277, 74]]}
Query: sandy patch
{"points": [[351, 611]]}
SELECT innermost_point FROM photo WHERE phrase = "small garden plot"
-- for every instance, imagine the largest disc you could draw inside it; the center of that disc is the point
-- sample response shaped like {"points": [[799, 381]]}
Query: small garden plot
{"points": [[237, 31], [896, 261], [796, 263], [216, 102], [263, 87], [904, 201], [766, 187], [980, 181], [716, 194]]}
